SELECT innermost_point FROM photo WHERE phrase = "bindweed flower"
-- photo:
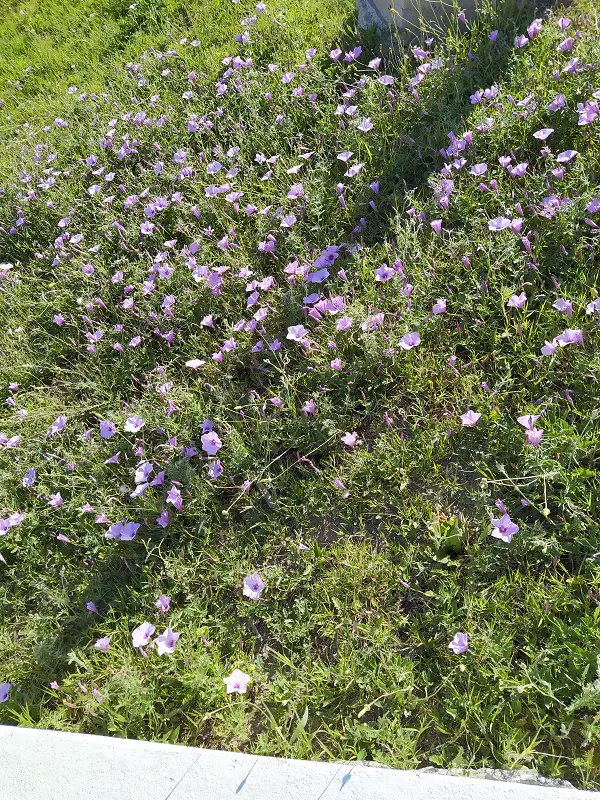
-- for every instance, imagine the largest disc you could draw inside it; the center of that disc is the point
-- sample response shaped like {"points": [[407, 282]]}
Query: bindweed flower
{"points": [[103, 644], [439, 306], [410, 340], [134, 424], [141, 635], [253, 586], [470, 418], [29, 478], [517, 300], [4, 691], [350, 439], [107, 429], [211, 444], [163, 603], [460, 643], [165, 643], [237, 682], [504, 528]]}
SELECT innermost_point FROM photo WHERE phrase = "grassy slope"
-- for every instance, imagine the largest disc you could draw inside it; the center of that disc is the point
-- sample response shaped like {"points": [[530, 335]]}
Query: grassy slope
{"points": [[349, 650]]}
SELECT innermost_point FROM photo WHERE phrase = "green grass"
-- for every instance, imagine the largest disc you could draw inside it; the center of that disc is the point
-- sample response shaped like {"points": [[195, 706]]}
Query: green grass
{"points": [[348, 647]]}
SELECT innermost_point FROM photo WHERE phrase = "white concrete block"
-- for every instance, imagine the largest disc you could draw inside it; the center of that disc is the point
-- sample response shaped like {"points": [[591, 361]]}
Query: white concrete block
{"points": [[48, 765], [405, 15]]}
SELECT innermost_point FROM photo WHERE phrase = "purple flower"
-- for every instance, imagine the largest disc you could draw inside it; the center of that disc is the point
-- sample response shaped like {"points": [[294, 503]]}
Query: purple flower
{"points": [[528, 421], [29, 478], [570, 336], [343, 323], [517, 300], [165, 643], [4, 691], [238, 681], [566, 156], [215, 469], [103, 644], [350, 439], [521, 41], [504, 528], [141, 635], [566, 45], [566, 306], [410, 340], [478, 169], [384, 273], [134, 424], [498, 224], [460, 643], [107, 429], [57, 426], [533, 436], [163, 603], [543, 133], [309, 407], [470, 418], [125, 531], [436, 225], [174, 497], [439, 306], [253, 586], [55, 500], [296, 333], [211, 444], [91, 607]]}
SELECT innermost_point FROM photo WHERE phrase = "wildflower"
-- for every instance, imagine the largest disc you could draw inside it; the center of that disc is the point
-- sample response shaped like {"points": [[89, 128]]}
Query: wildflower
{"points": [[470, 418], [4, 691], [253, 586], [504, 528], [211, 444], [107, 429], [238, 681], [517, 300], [410, 340], [163, 603], [134, 424], [350, 439], [103, 644], [439, 306], [296, 333], [460, 643], [165, 643], [141, 635]]}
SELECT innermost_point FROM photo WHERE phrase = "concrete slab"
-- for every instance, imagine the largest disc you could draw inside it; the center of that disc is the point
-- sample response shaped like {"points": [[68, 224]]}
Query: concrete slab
{"points": [[406, 15], [50, 765]]}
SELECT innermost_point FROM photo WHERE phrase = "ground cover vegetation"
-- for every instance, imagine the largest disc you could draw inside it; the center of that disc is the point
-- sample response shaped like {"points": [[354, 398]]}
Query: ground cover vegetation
{"points": [[300, 422]]}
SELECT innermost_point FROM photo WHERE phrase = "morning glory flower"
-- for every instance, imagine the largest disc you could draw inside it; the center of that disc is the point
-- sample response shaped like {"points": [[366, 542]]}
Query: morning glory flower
{"points": [[107, 429], [499, 224], [470, 418], [57, 426], [134, 424], [566, 306], [517, 300], [253, 586], [141, 635], [4, 691], [237, 682], [211, 444], [350, 439], [296, 333], [439, 306], [103, 644], [460, 643], [504, 528], [165, 643], [29, 478], [528, 420], [163, 603], [410, 340]]}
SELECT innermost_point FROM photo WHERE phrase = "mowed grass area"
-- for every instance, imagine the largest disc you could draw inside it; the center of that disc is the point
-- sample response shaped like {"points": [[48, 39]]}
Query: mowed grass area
{"points": [[253, 293]]}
